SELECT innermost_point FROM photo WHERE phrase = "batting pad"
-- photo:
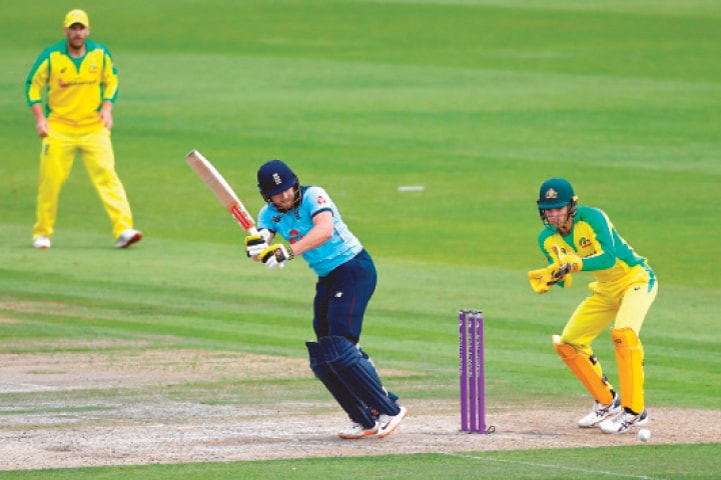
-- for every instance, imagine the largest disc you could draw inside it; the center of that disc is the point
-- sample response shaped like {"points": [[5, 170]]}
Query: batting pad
{"points": [[357, 373], [629, 358], [353, 406], [587, 370]]}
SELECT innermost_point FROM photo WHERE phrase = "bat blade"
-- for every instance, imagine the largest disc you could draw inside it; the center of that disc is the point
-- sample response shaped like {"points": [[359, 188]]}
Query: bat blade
{"points": [[222, 190]]}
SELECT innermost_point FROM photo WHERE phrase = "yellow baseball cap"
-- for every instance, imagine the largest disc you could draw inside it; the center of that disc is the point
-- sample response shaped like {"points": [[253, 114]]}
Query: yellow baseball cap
{"points": [[76, 16]]}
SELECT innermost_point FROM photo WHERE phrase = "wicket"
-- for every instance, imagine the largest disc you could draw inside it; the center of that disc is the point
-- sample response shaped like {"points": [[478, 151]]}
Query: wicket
{"points": [[473, 407]]}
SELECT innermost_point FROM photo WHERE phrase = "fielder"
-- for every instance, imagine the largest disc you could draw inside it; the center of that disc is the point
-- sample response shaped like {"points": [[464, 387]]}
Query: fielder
{"points": [[578, 238], [82, 85], [307, 218]]}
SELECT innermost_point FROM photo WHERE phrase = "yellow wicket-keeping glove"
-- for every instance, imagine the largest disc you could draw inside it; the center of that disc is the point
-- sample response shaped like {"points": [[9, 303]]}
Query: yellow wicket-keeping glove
{"points": [[562, 275], [567, 280], [542, 279], [575, 264]]}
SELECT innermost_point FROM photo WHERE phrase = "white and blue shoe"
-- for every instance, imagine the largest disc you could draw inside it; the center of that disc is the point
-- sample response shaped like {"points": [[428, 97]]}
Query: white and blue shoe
{"points": [[624, 421], [601, 412]]}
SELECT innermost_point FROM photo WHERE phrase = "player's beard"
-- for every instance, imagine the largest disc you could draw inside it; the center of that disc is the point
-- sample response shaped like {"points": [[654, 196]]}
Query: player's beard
{"points": [[287, 204], [76, 44]]}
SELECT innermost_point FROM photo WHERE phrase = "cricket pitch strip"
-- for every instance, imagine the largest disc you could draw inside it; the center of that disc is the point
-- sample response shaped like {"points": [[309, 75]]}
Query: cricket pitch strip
{"points": [[63, 410]]}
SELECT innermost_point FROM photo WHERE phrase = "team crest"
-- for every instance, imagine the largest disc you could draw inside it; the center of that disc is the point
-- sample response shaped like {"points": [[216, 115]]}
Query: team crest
{"points": [[551, 193]]}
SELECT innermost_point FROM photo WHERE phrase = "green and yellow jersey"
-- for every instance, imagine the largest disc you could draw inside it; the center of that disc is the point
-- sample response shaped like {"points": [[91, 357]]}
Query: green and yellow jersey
{"points": [[605, 254], [76, 87]]}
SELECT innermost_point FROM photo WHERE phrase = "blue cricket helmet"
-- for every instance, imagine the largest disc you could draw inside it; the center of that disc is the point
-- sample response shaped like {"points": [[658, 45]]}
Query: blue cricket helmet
{"points": [[274, 177]]}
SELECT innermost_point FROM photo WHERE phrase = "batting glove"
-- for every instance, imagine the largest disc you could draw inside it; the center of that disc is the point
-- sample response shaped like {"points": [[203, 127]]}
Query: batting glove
{"points": [[574, 262], [275, 256], [255, 244]]}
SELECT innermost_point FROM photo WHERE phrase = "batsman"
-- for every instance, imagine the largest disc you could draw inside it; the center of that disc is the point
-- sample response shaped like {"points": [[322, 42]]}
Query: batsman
{"points": [[307, 218], [580, 238]]}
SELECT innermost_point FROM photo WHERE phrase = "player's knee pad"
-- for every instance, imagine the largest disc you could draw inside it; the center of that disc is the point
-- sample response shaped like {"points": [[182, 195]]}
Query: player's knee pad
{"points": [[357, 374], [587, 370], [629, 358], [349, 402]]}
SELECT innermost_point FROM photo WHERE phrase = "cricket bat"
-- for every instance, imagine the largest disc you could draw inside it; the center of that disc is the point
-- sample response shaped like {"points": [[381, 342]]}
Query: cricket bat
{"points": [[217, 184]]}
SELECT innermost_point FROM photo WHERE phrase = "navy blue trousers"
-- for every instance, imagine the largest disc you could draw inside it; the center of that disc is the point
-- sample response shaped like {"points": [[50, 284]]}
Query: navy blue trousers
{"points": [[342, 296]]}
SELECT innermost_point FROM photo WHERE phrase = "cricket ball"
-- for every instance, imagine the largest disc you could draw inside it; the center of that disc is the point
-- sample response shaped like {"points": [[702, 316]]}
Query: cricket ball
{"points": [[644, 434]]}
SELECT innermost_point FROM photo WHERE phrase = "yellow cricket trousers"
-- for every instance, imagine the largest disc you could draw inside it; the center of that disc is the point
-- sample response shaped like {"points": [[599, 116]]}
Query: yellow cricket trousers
{"points": [[56, 160], [627, 302]]}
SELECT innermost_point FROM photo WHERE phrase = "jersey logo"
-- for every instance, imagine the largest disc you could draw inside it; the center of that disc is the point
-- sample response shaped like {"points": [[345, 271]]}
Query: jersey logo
{"points": [[321, 200], [583, 242], [63, 84], [293, 236]]}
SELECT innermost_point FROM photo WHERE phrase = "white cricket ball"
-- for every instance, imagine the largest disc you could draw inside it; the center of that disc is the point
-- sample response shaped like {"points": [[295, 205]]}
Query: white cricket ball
{"points": [[644, 434]]}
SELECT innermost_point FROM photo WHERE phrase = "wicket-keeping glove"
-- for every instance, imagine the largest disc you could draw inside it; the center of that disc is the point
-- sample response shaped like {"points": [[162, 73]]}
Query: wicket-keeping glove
{"points": [[255, 244], [575, 264], [563, 275], [544, 278], [276, 255]]}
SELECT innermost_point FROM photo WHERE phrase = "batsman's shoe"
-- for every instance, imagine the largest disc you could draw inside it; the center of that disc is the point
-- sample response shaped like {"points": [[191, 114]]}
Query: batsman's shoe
{"points": [[388, 423], [623, 421], [601, 412], [128, 237], [358, 431], [41, 242]]}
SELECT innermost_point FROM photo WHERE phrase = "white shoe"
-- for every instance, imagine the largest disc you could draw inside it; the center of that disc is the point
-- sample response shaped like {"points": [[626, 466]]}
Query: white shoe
{"points": [[623, 421], [358, 431], [388, 423], [128, 237], [601, 412], [41, 242]]}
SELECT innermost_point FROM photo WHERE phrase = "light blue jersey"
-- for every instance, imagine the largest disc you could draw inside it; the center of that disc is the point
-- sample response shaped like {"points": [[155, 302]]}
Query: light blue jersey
{"points": [[295, 224]]}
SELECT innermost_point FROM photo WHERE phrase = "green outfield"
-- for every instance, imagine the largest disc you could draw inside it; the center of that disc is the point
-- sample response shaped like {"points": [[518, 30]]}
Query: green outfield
{"points": [[478, 102]]}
